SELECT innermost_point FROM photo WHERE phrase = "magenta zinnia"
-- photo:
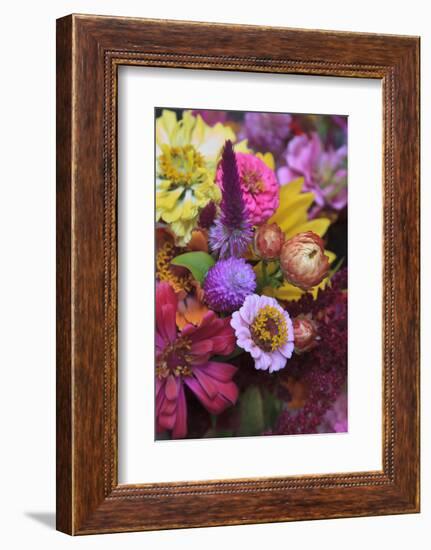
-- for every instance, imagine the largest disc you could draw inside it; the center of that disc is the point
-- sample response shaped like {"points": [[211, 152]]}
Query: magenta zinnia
{"points": [[232, 231], [259, 187], [183, 358]]}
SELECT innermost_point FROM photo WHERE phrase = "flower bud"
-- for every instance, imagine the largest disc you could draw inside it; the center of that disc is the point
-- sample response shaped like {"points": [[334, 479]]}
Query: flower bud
{"points": [[268, 240], [305, 334], [302, 260]]}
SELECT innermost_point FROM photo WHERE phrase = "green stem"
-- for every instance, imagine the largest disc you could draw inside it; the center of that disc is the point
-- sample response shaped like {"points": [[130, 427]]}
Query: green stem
{"points": [[264, 274]]}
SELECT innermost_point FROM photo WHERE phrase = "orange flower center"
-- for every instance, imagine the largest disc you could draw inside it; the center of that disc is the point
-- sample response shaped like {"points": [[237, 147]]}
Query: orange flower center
{"points": [[173, 275]]}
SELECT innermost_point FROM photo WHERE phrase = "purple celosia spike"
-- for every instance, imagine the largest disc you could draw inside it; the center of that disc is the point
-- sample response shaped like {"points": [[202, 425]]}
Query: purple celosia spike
{"points": [[232, 204], [232, 232]]}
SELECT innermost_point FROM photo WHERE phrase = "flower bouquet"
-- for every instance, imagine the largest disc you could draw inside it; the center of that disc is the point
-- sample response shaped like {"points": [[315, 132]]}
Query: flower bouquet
{"points": [[251, 274]]}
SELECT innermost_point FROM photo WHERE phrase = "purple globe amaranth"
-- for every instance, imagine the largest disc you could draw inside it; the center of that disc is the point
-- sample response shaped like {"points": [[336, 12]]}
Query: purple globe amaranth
{"points": [[267, 131], [211, 117], [228, 283]]}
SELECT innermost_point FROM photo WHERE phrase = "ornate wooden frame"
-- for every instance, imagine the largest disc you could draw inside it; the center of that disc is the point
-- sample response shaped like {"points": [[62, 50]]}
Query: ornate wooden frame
{"points": [[89, 51]]}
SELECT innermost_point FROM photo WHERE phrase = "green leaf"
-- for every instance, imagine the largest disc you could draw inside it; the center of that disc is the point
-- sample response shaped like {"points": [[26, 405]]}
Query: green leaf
{"points": [[252, 421], [336, 268], [198, 263], [226, 358], [272, 408]]}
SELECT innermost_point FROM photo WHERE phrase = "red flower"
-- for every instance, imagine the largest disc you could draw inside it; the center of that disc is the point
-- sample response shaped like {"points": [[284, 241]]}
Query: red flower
{"points": [[184, 358]]}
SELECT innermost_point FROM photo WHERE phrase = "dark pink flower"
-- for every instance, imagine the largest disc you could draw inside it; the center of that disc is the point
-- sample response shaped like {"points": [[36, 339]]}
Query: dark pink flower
{"points": [[259, 187], [184, 358]]}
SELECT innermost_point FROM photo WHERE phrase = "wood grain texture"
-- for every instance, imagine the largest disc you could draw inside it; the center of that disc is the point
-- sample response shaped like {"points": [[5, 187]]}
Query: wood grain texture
{"points": [[64, 496], [90, 49]]}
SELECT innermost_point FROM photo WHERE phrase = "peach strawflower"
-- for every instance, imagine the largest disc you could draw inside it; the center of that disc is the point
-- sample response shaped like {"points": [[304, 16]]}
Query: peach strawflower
{"points": [[306, 335], [268, 240], [302, 260]]}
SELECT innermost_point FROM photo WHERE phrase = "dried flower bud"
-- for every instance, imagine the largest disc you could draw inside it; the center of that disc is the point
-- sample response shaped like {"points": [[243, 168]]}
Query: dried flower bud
{"points": [[305, 334], [268, 240], [302, 260], [207, 215]]}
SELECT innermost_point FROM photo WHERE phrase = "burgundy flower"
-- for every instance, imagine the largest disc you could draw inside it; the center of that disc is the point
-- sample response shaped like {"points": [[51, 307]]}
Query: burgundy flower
{"points": [[323, 370], [303, 261], [184, 358]]}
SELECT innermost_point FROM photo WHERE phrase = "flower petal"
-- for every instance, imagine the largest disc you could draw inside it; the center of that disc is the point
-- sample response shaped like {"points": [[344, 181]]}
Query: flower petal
{"points": [[278, 361], [220, 371], [171, 388], [208, 383], [180, 428], [166, 305], [199, 391]]}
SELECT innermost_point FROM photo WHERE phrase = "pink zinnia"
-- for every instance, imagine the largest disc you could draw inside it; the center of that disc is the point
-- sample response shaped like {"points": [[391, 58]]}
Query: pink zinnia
{"points": [[184, 358], [260, 189]]}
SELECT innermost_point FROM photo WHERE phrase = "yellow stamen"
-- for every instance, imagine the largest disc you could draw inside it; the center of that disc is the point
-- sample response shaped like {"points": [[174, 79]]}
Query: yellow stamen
{"points": [[165, 271], [175, 359], [253, 181], [269, 329], [179, 164]]}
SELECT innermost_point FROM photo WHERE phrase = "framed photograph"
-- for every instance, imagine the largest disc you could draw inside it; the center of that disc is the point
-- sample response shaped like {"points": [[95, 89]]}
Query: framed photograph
{"points": [[237, 274]]}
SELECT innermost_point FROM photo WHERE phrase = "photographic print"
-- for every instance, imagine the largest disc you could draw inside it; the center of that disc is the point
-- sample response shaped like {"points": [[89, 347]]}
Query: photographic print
{"points": [[251, 273]]}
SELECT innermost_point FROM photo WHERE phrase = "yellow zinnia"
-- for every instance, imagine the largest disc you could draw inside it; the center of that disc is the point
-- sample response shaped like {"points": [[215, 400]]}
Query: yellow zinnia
{"points": [[187, 151], [292, 217]]}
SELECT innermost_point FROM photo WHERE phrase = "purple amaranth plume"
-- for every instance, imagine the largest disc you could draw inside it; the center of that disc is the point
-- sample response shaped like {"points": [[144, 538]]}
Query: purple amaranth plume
{"points": [[232, 231]]}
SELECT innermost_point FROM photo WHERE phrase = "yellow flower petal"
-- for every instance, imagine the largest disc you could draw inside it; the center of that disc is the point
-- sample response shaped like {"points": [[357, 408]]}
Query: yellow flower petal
{"points": [[190, 209], [268, 159], [213, 142], [242, 147], [291, 189], [197, 136], [318, 226], [286, 292], [292, 212], [172, 215], [165, 126], [331, 256], [183, 231], [166, 199]]}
